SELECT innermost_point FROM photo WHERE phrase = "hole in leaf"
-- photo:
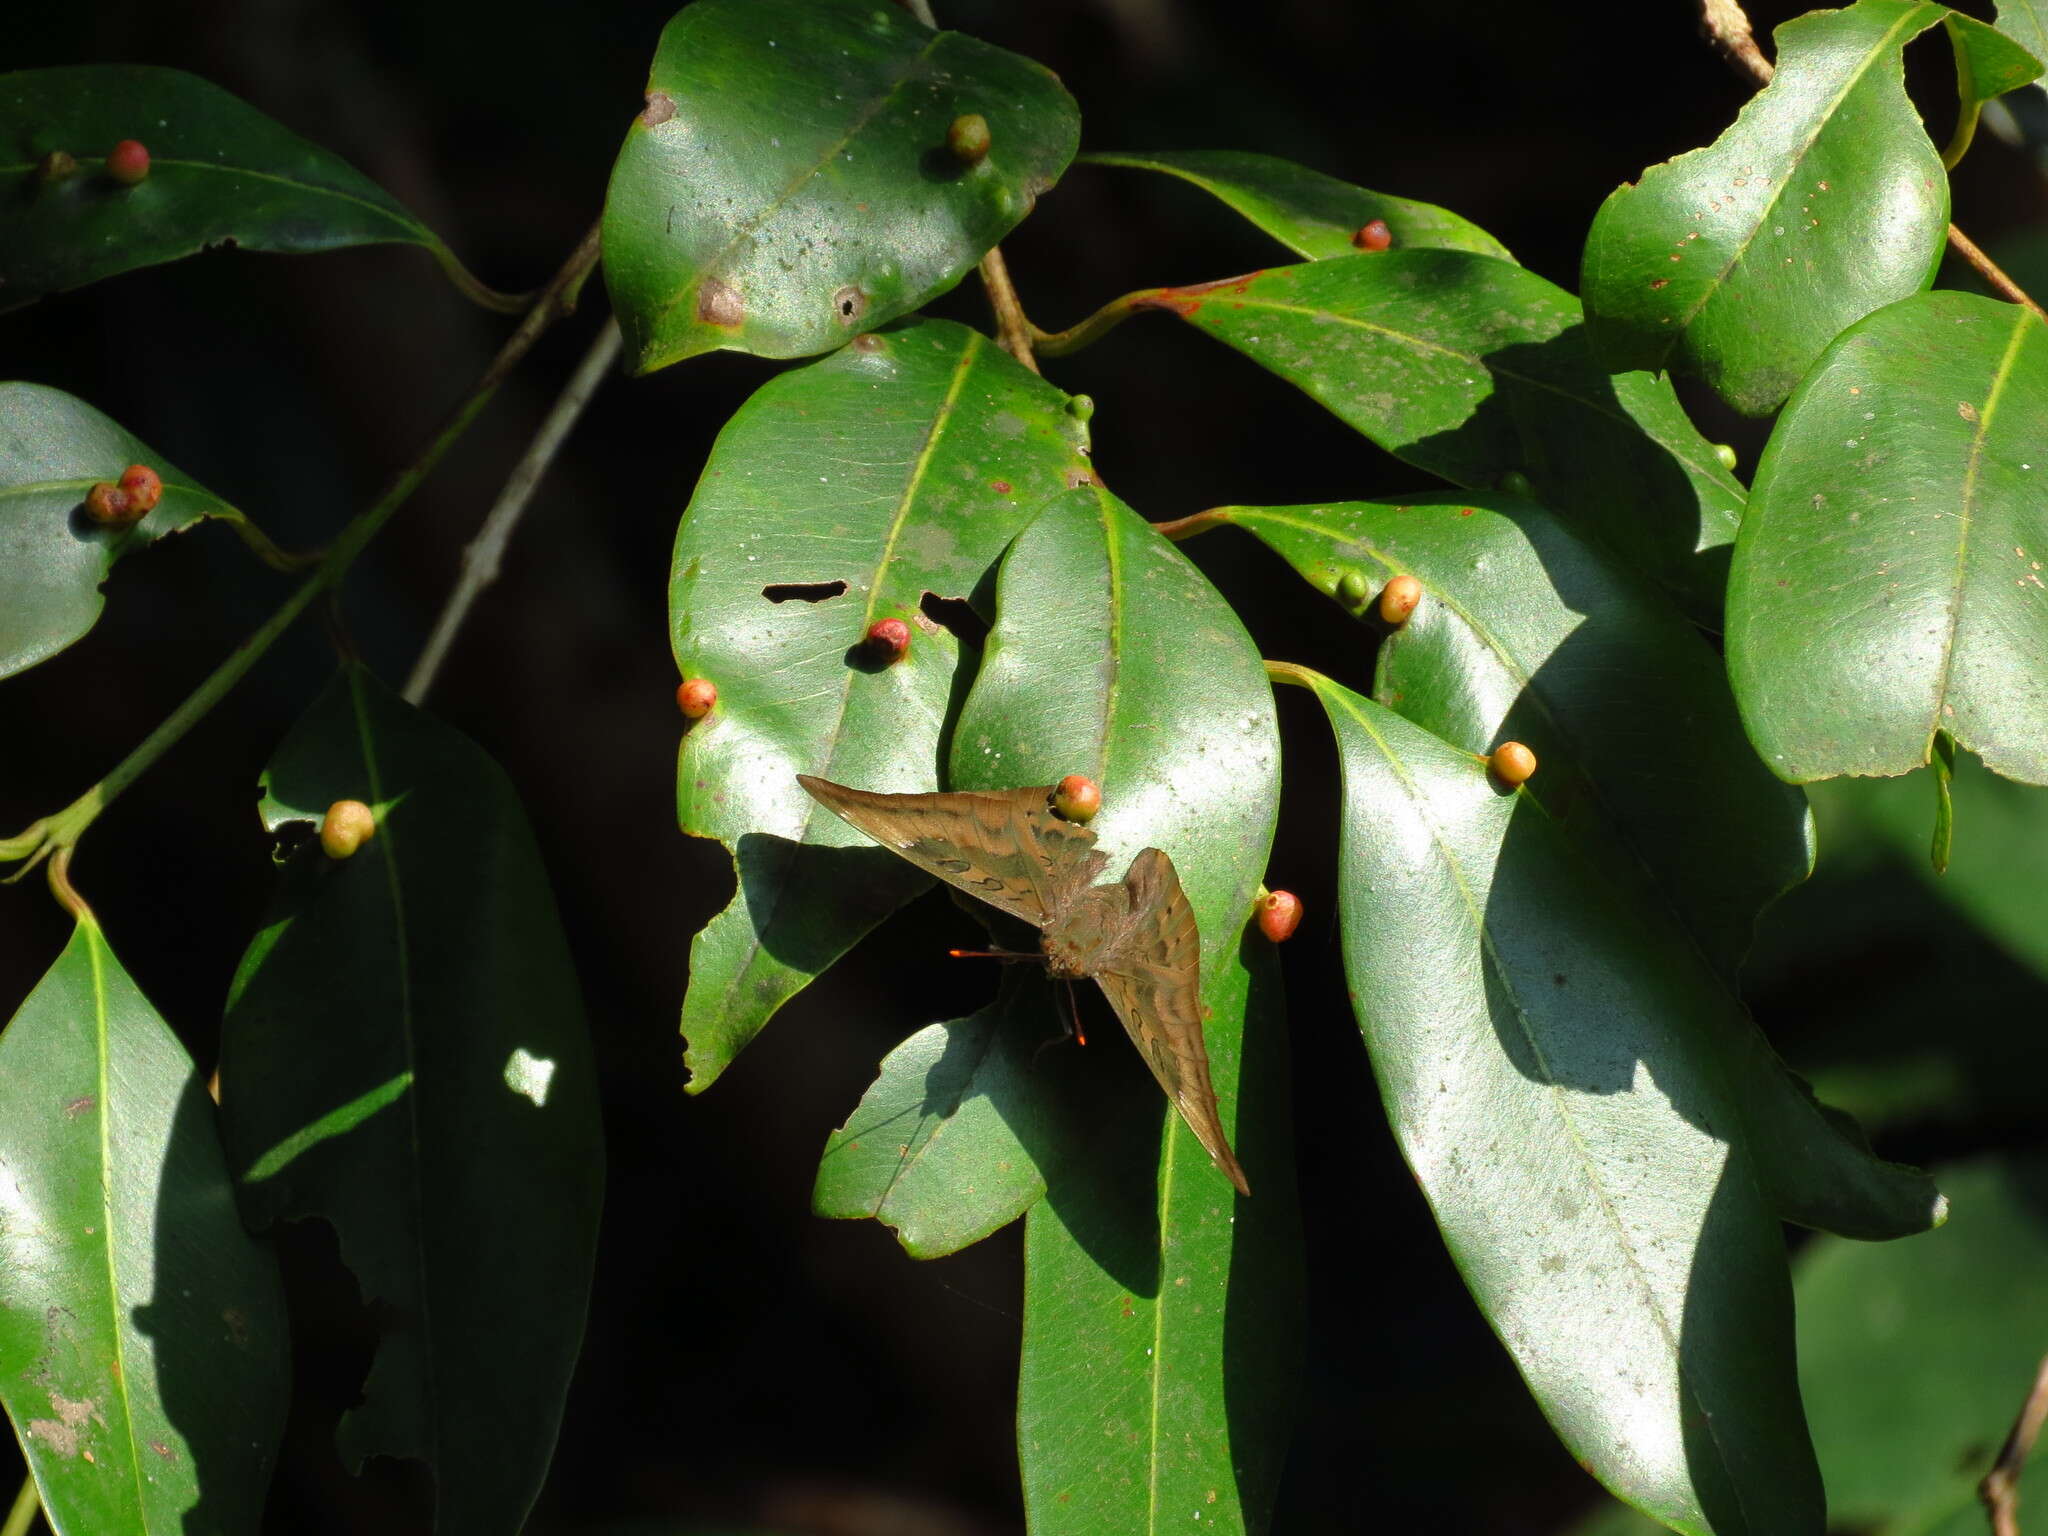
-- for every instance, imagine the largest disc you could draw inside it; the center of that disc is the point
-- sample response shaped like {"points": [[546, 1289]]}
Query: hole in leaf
{"points": [[803, 591], [956, 614]]}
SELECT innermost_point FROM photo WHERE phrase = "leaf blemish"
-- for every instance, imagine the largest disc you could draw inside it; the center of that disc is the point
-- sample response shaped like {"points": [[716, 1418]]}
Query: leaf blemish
{"points": [[719, 304], [660, 108]]}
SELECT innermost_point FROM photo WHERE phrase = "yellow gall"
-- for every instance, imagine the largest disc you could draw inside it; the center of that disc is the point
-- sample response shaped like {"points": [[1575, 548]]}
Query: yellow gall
{"points": [[1399, 599], [1512, 763], [1279, 915], [348, 825], [968, 137], [697, 698], [1077, 797]]}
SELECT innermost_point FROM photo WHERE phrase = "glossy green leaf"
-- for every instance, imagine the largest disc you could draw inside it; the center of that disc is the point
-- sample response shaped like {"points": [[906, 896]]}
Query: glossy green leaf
{"points": [[405, 1057], [1889, 581], [957, 1135], [1473, 368], [1553, 1068], [840, 494], [1161, 1312], [1988, 64], [53, 449], [1313, 215], [2026, 22], [1526, 634], [142, 1349], [789, 183], [220, 173], [1740, 262]]}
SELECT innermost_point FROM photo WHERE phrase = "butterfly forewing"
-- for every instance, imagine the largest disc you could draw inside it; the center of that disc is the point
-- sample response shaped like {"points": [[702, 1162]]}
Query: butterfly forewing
{"points": [[1152, 972], [1005, 847]]}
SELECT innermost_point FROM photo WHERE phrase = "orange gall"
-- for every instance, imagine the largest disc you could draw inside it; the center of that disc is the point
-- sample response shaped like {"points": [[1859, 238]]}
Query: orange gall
{"points": [[968, 137], [697, 698], [1279, 915], [1374, 236], [1512, 763], [110, 506], [1399, 598], [1077, 797], [128, 162], [143, 487], [889, 639], [347, 826]]}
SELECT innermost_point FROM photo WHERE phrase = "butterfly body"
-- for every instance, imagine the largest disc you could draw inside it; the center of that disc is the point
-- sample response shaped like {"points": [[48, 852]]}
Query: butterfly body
{"points": [[1137, 938]]}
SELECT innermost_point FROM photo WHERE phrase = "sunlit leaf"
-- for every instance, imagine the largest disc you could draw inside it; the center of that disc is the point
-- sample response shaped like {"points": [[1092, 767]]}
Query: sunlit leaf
{"points": [[1890, 582], [142, 1348], [790, 185]]}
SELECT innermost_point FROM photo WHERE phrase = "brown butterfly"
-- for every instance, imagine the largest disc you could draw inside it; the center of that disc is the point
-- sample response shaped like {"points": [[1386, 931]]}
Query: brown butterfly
{"points": [[1138, 939]]}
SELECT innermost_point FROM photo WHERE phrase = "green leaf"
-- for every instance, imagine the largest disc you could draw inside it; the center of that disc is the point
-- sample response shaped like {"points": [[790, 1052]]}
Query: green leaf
{"points": [[220, 173], [789, 183], [2025, 21], [1526, 634], [1113, 657], [956, 1136], [1473, 368], [53, 449], [405, 1057], [1313, 215], [1915, 1357], [1552, 1067], [1988, 65], [142, 1349], [839, 494], [1888, 583], [1740, 262]]}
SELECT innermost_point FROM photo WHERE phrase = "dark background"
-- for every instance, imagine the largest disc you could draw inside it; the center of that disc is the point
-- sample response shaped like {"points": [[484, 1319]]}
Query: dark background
{"points": [[749, 1365]]}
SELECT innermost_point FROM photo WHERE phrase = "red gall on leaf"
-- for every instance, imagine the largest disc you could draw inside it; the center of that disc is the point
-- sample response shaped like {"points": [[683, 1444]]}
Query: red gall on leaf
{"points": [[889, 639], [697, 698], [1077, 798], [142, 487], [1279, 915], [1512, 763], [1374, 236], [348, 825], [128, 162], [1400, 599], [109, 505], [967, 136]]}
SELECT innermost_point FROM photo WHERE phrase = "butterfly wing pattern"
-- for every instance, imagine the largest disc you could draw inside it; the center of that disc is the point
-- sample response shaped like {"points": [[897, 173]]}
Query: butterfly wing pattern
{"points": [[1138, 939]]}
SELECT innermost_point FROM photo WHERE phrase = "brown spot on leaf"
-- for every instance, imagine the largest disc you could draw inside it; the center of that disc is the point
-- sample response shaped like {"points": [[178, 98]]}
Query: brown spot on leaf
{"points": [[659, 109], [78, 1106], [1000, 487], [1076, 478], [719, 304], [1661, 282], [163, 1450], [867, 341], [849, 304], [1966, 410], [58, 1437]]}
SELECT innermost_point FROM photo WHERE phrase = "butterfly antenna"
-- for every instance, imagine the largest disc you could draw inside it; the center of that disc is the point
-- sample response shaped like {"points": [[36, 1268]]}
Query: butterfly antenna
{"points": [[1070, 1022], [994, 954]]}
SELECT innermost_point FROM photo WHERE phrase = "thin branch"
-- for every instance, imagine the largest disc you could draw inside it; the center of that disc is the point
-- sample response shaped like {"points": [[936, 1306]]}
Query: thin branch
{"points": [[1724, 24], [62, 829], [922, 10], [27, 1505], [484, 557], [1013, 330], [2000, 1489], [1288, 672]]}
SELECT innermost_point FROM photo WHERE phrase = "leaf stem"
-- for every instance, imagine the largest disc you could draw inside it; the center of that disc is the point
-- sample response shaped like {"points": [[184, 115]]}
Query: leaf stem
{"points": [[2000, 1489], [484, 557], [60, 831], [1095, 327], [1297, 677], [477, 291], [1179, 528], [1014, 330], [1726, 26], [27, 1505]]}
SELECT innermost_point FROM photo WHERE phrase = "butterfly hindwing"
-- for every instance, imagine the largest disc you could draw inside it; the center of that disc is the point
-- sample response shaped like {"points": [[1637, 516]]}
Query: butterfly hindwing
{"points": [[1152, 974]]}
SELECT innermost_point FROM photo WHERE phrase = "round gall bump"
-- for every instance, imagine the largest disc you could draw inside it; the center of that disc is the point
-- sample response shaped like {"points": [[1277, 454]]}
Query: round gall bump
{"points": [[348, 825], [55, 166], [110, 506], [1077, 798], [889, 639], [1725, 452], [1353, 588], [142, 487], [1512, 763], [128, 162], [1515, 483], [968, 138], [697, 698], [1374, 236], [1279, 915], [1400, 599]]}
